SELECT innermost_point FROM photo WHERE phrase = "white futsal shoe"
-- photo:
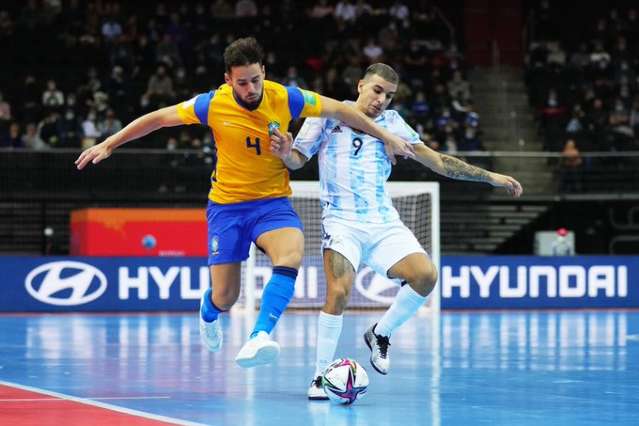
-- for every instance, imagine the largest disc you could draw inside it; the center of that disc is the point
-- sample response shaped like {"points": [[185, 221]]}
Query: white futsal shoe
{"points": [[316, 390], [210, 332], [259, 350], [379, 350]]}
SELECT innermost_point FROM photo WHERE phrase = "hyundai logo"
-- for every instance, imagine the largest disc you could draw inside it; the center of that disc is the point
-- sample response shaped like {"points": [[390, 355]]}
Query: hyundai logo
{"points": [[85, 282], [378, 288]]}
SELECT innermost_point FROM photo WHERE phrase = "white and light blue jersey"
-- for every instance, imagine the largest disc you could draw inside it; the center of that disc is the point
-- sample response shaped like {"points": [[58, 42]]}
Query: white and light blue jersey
{"points": [[353, 166]]}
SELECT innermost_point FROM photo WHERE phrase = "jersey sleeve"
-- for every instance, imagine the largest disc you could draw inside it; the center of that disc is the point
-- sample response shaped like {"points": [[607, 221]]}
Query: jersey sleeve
{"points": [[196, 109], [303, 103], [403, 130], [309, 138]]}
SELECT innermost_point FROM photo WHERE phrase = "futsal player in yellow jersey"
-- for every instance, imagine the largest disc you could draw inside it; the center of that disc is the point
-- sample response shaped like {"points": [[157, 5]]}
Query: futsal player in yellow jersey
{"points": [[248, 201]]}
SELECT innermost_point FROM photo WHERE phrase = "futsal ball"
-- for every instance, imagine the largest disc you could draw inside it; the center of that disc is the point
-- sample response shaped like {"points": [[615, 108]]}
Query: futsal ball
{"points": [[344, 381]]}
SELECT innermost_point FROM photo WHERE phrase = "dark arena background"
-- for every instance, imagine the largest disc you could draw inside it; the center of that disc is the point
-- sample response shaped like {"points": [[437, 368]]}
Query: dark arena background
{"points": [[534, 316]]}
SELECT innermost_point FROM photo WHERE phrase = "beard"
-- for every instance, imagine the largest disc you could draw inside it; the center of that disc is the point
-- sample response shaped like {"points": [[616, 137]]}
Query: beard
{"points": [[249, 105]]}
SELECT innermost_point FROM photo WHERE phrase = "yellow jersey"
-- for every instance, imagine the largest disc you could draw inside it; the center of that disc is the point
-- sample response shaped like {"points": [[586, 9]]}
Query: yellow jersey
{"points": [[246, 169]]}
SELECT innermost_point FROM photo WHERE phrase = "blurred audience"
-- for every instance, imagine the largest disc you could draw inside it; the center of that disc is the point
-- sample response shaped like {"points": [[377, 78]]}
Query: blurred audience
{"points": [[122, 59]]}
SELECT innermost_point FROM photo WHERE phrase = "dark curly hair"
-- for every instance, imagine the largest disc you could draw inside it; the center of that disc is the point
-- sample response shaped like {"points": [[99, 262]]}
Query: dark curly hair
{"points": [[243, 51]]}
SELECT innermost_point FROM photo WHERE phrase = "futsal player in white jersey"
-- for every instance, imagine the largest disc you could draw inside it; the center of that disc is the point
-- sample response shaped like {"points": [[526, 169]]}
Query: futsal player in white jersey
{"points": [[360, 224]]}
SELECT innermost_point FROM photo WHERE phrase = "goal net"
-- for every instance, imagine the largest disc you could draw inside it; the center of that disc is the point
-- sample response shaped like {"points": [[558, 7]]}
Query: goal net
{"points": [[418, 206]]}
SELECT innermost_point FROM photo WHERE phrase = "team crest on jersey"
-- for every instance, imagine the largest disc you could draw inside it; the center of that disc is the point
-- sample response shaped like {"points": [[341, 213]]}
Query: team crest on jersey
{"points": [[336, 129], [215, 245], [272, 126]]}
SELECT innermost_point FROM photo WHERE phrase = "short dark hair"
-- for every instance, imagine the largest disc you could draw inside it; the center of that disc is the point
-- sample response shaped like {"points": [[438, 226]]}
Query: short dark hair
{"points": [[384, 71], [243, 51]]}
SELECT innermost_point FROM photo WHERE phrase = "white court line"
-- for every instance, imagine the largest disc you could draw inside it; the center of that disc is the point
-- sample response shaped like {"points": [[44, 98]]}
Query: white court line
{"points": [[97, 398], [102, 405], [632, 337]]}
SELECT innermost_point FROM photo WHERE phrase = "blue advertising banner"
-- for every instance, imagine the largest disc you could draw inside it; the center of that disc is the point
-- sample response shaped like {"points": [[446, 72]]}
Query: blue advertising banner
{"points": [[504, 282], [65, 284]]}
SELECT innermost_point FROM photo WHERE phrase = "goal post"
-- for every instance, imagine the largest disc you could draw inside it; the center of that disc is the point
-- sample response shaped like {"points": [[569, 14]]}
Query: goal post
{"points": [[418, 207]]}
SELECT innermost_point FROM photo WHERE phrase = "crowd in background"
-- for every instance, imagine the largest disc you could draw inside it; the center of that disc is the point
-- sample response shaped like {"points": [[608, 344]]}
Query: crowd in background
{"points": [[584, 83], [79, 71]]}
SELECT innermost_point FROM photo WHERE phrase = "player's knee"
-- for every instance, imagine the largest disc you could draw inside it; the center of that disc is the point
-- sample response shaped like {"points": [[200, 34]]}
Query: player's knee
{"points": [[225, 299], [292, 259], [423, 281], [337, 297]]}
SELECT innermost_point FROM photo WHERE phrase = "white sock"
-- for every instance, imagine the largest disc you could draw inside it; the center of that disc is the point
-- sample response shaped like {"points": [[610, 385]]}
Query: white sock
{"points": [[406, 304], [329, 328]]}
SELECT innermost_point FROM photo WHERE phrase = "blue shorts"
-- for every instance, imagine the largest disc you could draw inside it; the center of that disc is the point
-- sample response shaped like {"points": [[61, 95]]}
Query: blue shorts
{"points": [[232, 227]]}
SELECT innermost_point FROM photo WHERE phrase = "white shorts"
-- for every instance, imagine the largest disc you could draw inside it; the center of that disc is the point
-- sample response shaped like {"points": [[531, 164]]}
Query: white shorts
{"points": [[378, 245]]}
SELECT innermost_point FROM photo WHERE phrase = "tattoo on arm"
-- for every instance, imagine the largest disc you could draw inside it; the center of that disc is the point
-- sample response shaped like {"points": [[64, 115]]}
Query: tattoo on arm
{"points": [[457, 169]]}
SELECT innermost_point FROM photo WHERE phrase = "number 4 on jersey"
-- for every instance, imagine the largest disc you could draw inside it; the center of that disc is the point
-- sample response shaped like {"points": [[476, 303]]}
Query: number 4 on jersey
{"points": [[255, 145]]}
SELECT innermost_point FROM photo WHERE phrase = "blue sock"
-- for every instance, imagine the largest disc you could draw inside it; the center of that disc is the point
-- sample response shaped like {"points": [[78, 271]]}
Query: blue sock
{"points": [[208, 309], [277, 293]]}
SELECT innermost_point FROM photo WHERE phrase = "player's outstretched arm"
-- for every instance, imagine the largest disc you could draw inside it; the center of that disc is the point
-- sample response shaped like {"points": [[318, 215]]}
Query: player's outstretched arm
{"points": [[358, 120], [455, 168], [164, 117], [281, 145]]}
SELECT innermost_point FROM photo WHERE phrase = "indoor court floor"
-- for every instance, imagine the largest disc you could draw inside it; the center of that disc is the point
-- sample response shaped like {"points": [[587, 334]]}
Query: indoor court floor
{"points": [[519, 368]]}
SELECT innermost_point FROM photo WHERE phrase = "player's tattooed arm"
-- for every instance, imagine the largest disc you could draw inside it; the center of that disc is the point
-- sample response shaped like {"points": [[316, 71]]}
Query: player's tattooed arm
{"points": [[455, 168]]}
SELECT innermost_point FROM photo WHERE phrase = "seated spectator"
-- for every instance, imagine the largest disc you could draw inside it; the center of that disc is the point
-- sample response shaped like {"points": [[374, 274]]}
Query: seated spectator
{"points": [[32, 139], [414, 61], [159, 90], [293, 78], [321, 10], [575, 124], [49, 129], [581, 58], [621, 133], [345, 11], [552, 120], [399, 11], [363, 11], [353, 72], [420, 107], [52, 98], [245, 9], [167, 51], [597, 118], [373, 51], [111, 29], [470, 140], [110, 125], [70, 130], [458, 86], [90, 130], [12, 139], [183, 85]]}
